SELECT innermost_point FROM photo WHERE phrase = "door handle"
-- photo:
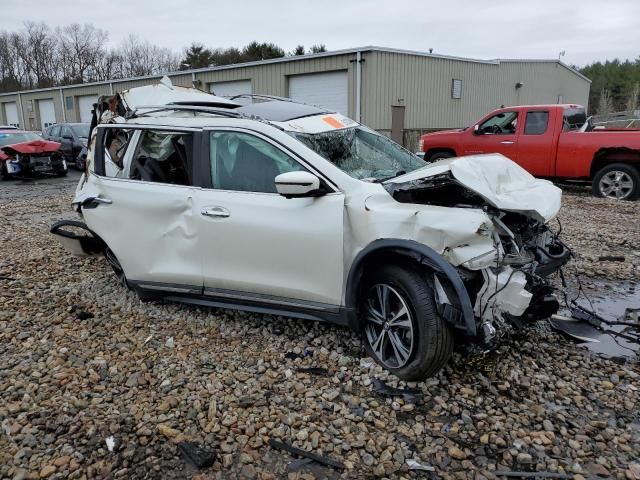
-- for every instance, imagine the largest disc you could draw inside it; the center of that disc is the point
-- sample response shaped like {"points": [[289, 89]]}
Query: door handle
{"points": [[506, 142], [218, 212], [93, 202]]}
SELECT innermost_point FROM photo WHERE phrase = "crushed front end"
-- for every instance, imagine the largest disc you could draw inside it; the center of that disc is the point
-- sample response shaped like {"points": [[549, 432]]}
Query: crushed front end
{"points": [[515, 250]]}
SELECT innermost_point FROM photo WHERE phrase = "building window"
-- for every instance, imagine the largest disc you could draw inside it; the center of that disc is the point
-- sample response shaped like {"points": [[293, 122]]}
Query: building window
{"points": [[69, 103], [456, 88]]}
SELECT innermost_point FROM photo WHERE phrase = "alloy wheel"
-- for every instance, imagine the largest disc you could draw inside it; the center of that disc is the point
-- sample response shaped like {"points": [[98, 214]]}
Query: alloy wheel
{"points": [[616, 184], [389, 326]]}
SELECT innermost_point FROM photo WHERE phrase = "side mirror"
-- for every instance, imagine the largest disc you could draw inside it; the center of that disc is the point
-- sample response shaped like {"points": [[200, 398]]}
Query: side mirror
{"points": [[476, 129], [298, 184], [67, 137]]}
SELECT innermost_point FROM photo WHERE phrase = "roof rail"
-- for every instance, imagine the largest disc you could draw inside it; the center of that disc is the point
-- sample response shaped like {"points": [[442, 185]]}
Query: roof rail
{"points": [[224, 112], [260, 95]]}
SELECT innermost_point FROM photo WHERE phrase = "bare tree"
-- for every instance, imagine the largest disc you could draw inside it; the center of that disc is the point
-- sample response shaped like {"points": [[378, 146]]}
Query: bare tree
{"points": [[38, 50], [141, 58], [605, 103], [82, 46], [633, 101]]}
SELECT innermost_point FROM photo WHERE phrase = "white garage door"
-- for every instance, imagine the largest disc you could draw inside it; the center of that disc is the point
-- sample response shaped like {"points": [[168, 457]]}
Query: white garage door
{"points": [[328, 90], [47, 113], [85, 105], [229, 89], [11, 114]]}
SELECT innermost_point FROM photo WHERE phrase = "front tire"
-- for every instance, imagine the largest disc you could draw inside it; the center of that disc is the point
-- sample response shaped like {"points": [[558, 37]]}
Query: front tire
{"points": [[617, 180], [401, 328]]}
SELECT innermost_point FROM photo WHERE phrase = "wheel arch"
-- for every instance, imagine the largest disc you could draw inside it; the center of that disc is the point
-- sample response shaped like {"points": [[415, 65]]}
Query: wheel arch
{"points": [[608, 155], [383, 250]]}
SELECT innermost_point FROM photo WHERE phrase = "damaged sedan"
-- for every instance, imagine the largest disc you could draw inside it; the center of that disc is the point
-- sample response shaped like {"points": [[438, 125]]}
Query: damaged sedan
{"points": [[290, 209], [27, 154]]}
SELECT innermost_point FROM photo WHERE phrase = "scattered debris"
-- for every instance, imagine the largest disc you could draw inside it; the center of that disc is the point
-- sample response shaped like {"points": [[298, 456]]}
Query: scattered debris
{"points": [[401, 438], [170, 343], [323, 372], [82, 315], [111, 443], [197, 455], [293, 355], [533, 474], [611, 258], [415, 465], [176, 436], [313, 456], [577, 329], [367, 362], [410, 395], [148, 339]]}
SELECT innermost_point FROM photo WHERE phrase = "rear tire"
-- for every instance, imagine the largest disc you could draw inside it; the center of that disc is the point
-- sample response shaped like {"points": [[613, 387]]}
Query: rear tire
{"points": [[439, 156], [619, 181], [415, 345], [117, 268]]}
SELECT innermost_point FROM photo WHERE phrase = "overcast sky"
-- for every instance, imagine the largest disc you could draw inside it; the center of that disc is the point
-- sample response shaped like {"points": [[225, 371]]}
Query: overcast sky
{"points": [[588, 30]]}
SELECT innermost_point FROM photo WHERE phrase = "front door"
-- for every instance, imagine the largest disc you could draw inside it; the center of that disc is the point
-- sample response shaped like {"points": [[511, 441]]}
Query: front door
{"points": [[255, 241], [535, 143], [496, 134]]}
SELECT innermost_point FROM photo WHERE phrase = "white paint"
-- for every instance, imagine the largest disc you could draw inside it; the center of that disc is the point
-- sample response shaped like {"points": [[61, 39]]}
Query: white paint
{"points": [[47, 113], [165, 92], [85, 105], [11, 114], [111, 443], [327, 90], [229, 89]]}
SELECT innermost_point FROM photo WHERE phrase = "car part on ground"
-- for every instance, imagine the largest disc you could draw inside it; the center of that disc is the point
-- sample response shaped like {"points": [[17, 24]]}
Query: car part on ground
{"points": [[290, 209]]}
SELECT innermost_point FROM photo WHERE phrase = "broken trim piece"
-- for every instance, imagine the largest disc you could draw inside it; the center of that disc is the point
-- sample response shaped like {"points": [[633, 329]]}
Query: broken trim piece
{"points": [[330, 462], [83, 245]]}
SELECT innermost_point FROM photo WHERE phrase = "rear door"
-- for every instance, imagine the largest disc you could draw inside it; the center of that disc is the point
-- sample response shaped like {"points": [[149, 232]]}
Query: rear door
{"points": [[495, 134], [536, 141], [145, 208]]}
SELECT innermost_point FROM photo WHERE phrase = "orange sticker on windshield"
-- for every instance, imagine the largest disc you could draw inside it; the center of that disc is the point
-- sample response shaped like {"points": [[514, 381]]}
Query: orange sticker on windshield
{"points": [[334, 122]]}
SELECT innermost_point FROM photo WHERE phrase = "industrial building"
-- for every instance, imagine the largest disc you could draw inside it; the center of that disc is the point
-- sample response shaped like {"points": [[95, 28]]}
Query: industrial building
{"points": [[400, 93]]}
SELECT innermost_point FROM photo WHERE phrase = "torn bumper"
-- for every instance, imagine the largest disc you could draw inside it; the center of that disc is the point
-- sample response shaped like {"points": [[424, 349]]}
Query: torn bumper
{"points": [[77, 238]]}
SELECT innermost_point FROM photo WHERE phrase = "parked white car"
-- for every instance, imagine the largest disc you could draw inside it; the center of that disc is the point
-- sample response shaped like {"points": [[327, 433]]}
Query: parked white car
{"points": [[289, 209]]}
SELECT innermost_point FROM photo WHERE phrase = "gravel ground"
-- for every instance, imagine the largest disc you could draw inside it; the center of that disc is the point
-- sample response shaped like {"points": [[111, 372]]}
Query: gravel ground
{"points": [[83, 361]]}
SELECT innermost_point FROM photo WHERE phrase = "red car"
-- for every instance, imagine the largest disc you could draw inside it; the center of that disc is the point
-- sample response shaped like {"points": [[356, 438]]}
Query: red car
{"points": [[27, 154], [552, 141]]}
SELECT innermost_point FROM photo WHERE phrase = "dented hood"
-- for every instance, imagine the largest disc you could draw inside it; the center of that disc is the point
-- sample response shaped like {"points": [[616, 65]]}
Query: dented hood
{"points": [[165, 92], [501, 182], [29, 148]]}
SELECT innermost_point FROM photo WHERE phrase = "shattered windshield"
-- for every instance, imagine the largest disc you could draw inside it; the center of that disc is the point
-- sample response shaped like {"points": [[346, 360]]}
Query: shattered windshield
{"points": [[362, 153]]}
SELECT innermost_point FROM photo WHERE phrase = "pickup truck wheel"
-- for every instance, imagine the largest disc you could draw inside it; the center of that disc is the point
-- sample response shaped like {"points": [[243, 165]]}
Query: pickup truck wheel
{"points": [[401, 328], [439, 156], [617, 180]]}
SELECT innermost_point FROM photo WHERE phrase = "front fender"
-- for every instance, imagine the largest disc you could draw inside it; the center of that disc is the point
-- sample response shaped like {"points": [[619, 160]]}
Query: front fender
{"points": [[428, 257]]}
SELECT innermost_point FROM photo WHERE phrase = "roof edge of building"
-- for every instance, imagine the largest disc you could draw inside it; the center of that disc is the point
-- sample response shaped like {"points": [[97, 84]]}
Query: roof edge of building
{"points": [[294, 58]]}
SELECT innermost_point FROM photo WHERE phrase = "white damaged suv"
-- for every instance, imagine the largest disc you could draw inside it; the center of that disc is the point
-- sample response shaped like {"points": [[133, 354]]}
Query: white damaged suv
{"points": [[289, 209]]}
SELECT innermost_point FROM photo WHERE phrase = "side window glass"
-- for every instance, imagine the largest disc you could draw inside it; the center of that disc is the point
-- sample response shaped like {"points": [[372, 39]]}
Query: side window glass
{"points": [[116, 141], [65, 132], [504, 123], [163, 157], [536, 123], [246, 163], [54, 132]]}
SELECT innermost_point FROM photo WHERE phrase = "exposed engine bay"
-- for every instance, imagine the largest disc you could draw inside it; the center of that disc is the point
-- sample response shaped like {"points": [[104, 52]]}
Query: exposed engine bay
{"points": [[508, 284]]}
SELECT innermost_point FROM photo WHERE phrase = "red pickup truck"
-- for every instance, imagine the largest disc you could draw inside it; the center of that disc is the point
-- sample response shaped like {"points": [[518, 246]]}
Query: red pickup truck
{"points": [[552, 141]]}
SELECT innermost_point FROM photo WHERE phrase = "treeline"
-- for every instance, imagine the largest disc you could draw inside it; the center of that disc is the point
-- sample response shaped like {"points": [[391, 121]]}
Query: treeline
{"points": [[615, 86], [39, 56]]}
